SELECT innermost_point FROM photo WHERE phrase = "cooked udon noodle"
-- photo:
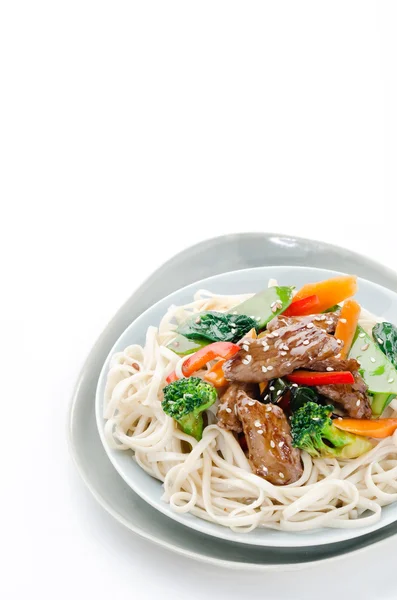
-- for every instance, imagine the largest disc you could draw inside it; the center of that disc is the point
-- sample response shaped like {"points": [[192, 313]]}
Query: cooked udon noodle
{"points": [[214, 480]]}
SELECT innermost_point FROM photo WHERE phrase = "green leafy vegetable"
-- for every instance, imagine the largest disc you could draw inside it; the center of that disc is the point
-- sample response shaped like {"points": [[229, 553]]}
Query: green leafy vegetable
{"points": [[216, 327], [182, 346], [377, 371], [385, 334], [333, 308], [276, 390], [312, 430], [185, 400], [301, 395], [265, 305], [261, 308]]}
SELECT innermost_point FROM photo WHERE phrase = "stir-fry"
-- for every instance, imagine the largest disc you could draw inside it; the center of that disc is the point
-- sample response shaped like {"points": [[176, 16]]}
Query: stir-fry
{"points": [[293, 372]]}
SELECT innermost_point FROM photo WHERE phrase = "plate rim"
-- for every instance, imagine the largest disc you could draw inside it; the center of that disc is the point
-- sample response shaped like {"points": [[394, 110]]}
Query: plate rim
{"points": [[197, 524]]}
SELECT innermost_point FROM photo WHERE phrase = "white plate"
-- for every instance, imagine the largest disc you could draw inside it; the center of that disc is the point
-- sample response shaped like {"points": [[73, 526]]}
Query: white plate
{"points": [[372, 296]]}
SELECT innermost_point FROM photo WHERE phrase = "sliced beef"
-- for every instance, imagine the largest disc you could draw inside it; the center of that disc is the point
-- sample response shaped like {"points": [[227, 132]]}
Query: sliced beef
{"points": [[280, 352], [271, 454], [227, 410], [352, 397], [326, 321]]}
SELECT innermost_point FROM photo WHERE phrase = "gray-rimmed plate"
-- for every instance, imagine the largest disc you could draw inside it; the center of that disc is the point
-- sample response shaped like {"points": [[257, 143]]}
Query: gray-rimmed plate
{"points": [[232, 252]]}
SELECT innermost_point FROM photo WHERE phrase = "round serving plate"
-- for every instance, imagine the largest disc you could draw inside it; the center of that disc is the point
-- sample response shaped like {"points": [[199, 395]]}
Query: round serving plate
{"points": [[238, 251], [377, 299]]}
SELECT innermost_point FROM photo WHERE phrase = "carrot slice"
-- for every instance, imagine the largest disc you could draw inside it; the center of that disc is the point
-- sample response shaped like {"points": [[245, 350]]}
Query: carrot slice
{"points": [[330, 291], [262, 386], [215, 375], [376, 428], [347, 325]]}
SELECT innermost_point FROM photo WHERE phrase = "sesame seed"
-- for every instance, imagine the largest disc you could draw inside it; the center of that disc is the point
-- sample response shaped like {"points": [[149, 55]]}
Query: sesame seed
{"points": [[329, 322], [275, 333], [305, 342], [288, 364], [372, 359], [228, 410], [283, 353], [257, 423], [365, 347], [339, 341], [260, 431], [268, 407], [279, 392], [330, 369], [317, 318], [310, 325], [272, 444], [271, 388], [358, 403], [280, 444], [273, 304], [245, 347], [250, 403], [264, 369], [390, 380], [270, 368], [340, 419], [247, 359], [264, 470], [343, 320], [362, 334], [338, 355], [281, 475], [379, 341], [295, 385]]}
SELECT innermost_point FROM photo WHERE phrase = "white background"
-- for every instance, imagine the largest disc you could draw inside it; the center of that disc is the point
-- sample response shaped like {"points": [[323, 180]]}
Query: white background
{"points": [[128, 131]]}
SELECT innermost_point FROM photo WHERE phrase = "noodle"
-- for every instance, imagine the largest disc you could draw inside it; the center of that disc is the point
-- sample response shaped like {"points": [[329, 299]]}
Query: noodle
{"points": [[214, 480]]}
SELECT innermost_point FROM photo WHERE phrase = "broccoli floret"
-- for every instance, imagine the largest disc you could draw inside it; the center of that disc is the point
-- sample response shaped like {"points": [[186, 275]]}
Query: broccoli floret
{"points": [[313, 430], [185, 400]]}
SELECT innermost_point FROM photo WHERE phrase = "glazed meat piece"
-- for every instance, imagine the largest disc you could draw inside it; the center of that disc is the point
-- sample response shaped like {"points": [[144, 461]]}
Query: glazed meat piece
{"points": [[352, 397], [327, 321], [266, 429], [227, 413], [280, 352]]}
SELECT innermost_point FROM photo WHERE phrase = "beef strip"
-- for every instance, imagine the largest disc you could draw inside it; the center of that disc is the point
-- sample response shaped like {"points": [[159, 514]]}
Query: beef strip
{"points": [[227, 415], [352, 397], [280, 352], [271, 454], [326, 321]]}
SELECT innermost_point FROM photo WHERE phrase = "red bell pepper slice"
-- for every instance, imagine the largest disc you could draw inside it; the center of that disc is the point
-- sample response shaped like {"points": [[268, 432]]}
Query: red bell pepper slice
{"points": [[305, 306], [200, 358], [171, 377], [321, 377]]}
